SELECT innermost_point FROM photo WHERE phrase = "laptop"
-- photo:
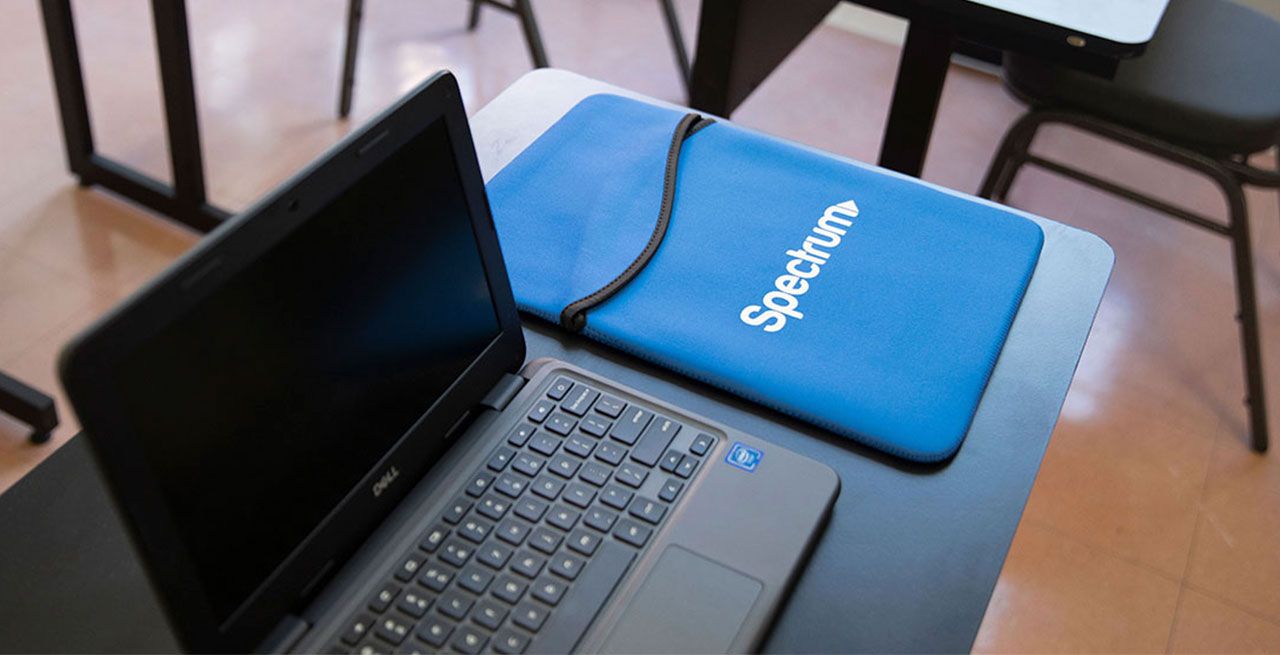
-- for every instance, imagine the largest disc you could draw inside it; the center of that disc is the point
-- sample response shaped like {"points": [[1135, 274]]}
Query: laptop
{"points": [[323, 434]]}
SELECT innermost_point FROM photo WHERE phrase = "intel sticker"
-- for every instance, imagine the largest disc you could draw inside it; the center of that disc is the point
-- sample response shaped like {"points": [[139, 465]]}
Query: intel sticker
{"points": [[744, 457]]}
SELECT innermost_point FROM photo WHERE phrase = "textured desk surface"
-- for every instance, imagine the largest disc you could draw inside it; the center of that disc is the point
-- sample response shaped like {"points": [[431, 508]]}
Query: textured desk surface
{"points": [[907, 563]]}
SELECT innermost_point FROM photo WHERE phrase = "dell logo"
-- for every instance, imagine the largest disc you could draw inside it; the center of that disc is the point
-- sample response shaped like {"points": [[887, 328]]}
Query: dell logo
{"points": [[385, 481]]}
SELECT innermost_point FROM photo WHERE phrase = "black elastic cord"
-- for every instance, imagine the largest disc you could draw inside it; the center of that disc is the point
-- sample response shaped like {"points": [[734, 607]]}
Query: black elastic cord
{"points": [[574, 316]]}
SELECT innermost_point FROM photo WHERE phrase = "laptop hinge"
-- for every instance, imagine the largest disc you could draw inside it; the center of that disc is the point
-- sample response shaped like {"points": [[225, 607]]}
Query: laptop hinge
{"points": [[286, 635], [503, 392]]}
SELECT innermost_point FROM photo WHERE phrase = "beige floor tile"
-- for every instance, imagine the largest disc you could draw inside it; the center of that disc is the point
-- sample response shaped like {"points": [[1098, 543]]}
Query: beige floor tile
{"points": [[1057, 595], [1207, 625], [34, 300], [1120, 480], [1236, 555]]}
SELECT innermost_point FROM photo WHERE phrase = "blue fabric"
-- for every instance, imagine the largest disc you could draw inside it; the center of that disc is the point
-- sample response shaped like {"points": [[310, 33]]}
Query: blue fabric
{"points": [[893, 339]]}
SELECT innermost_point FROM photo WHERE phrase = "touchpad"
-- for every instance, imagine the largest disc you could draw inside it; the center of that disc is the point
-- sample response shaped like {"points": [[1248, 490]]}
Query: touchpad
{"points": [[687, 604]]}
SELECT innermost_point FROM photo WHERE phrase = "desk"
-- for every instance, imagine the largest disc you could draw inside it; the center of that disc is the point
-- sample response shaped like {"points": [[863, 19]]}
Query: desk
{"points": [[907, 563], [740, 42]]}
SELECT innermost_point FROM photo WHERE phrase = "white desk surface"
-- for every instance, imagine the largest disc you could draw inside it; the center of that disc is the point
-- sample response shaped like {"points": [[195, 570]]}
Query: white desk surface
{"points": [[1122, 21]]}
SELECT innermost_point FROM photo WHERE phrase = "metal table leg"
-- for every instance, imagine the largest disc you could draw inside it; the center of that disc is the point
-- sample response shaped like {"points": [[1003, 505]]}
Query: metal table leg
{"points": [[29, 406], [922, 72], [184, 201]]}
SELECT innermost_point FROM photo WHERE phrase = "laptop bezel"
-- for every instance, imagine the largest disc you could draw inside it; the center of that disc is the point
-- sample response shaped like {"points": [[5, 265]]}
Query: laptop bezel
{"points": [[224, 252]]}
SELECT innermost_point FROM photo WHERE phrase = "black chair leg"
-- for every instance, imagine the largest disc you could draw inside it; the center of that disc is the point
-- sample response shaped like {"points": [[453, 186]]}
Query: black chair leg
{"points": [[355, 11], [1247, 316], [473, 18], [532, 37], [1010, 157], [677, 41]]}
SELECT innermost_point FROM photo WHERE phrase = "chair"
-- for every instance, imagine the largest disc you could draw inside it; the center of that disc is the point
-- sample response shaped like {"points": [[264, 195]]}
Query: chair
{"points": [[1205, 95], [532, 37]]}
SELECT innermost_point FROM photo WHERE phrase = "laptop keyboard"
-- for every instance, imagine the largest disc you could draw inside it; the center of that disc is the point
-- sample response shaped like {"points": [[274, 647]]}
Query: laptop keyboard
{"points": [[525, 557]]}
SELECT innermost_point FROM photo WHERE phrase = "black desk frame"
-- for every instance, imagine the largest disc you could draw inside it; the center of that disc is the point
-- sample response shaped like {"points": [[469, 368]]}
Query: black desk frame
{"points": [[185, 201]]}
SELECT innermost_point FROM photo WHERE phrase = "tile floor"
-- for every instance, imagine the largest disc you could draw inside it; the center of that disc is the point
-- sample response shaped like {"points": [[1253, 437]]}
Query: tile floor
{"points": [[1151, 526]]}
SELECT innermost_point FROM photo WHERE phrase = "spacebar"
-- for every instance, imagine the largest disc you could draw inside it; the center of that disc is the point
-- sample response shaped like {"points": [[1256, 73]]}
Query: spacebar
{"points": [[570, 620]]}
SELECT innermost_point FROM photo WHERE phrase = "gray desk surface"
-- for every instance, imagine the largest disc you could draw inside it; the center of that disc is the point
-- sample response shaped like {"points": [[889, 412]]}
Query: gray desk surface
{"points": [[907, 563]]}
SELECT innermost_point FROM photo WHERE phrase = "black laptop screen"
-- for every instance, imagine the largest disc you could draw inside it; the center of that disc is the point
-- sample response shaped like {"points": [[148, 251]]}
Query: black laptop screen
{"points": [[266, 403]]}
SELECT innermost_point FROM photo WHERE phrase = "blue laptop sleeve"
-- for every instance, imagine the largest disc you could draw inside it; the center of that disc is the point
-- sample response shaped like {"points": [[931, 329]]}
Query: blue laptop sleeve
{"points": [[859, 301]]}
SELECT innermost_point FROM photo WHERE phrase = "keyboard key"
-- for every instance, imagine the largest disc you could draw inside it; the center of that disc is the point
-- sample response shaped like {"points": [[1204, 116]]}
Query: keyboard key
{"points": [[548, 487], [454, 604], [479, 485], [475, 579], [541, 410], [611, 453], [701, 444], [372, 648], [579, 494], [434, 631], [494, 555], [383, 599], [615, 496], [508, 589], [631, 475], [654, 441], [457, 510], [559, 388], [632, 423], [594, 473], [560, 423], [468, 640], [415, 604], [520, 434], [510, 485], [670, 490], [435, 578], [528, 564], [564, 465], [610, 406], [493, 507], [579, 445], [489, 613], [544, 540], [548, 590], [671, 460], [530, 617], [566, 566], [646, 510], [584, 542], [359, 626], [474, 530], [528, 464], [500, 458], [579, 607], [510, 642], [687, 466], [455, 553], [580, 400], [562, 517], [513, 531], [595, 426], [391, 631], [599, 519], [531, 509], [409, 567], [544, 444], [632, 532]]}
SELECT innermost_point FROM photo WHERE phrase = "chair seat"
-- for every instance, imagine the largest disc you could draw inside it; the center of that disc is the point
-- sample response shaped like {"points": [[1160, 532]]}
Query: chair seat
{"points": [[1210, 80]]}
